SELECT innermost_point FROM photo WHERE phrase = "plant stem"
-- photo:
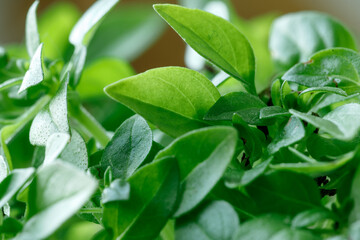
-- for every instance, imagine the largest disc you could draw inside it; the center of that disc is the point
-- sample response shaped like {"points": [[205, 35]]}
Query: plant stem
{"points": [[91, 210], [92, 125], [9, 131]]}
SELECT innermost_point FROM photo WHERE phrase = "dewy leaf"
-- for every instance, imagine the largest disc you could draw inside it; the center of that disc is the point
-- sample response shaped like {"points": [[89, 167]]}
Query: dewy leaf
{"points": [[57, 192], [342, 123], [13, 183], [128, 148], [55, 145], [42, 128], [154, 192], [203, 156], [88, 22], [218, 220], [75, 151], [296, 36], [31, 30], [284, 192], [58, 107], [215, 39], [246, 105], [293, 132], [174, 99], [35, 74], [336, 67]]}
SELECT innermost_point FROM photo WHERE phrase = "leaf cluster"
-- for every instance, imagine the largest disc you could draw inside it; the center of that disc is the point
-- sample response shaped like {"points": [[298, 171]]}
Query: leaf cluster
{"points": [[261, 142]]}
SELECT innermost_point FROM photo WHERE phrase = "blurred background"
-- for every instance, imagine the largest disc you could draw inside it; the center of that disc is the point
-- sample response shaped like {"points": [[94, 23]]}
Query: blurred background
{"points": [[133, 33], [166, 48]]}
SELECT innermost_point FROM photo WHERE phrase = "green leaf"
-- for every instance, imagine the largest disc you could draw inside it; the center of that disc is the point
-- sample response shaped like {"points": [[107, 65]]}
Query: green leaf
{"points": [[316, 168], [296, 36], [215, 39], [216, 221], [237, 178], [53, 118], [3, 168], [245, 105], [260, 228], [311, 217], [172, 98], [57, 192], [87, 24], [31, 30], [273, 112], [271, 227], [341, 123], [13, 183], [58, 107], [337, 67], [35, 74], [100, 74], [289, 233], [128, 148], [126, 33], [324, 89], [253, 138], [203, 156], [355, 196], [168, 232], [154, 192], [118, 190], [55, 145], [10, 226], [279, 187], [42, 128], [292, 132], [75, 152], [10, 83]]}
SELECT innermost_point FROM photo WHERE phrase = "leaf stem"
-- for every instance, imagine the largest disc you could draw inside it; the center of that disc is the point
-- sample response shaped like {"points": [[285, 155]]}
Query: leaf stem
{"points": [[9, 131], [92, 125], [91, 210]]}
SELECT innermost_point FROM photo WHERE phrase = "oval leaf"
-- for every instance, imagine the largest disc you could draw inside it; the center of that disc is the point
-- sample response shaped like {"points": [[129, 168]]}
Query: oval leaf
{"points": [[296, 36], [128, 148], [278, 187], [218, 220], [244, 104], [13, 182], [293, 132], [215, 39], [342, 123], [203, 156], [174, 99], [337, 67], [154, 191], [57, 192]]}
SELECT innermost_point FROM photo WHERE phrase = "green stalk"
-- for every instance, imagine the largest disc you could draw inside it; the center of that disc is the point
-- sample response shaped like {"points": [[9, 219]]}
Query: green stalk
{"points": [[91, 210], [91, 125], [9, 131]]}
